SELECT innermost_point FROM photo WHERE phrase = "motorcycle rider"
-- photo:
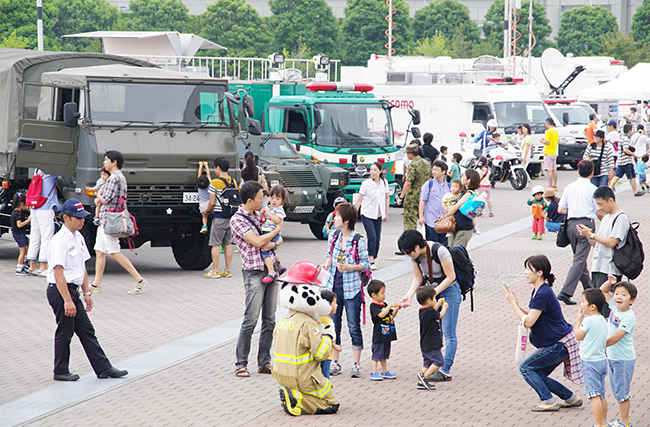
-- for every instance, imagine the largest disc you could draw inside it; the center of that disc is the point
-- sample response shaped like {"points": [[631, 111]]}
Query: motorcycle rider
{"points": [[485, 136]]}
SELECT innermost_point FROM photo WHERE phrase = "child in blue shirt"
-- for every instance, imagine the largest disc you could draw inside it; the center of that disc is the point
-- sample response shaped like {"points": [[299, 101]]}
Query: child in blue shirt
{"points": [[641, 166], [620, 347], [591, 328]]}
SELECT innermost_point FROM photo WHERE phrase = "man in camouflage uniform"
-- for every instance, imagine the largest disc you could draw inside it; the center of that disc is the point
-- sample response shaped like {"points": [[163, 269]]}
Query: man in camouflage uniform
{"points": [[419, 172]]}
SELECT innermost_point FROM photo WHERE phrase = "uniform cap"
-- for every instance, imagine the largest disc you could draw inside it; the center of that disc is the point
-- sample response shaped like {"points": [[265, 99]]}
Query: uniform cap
{"points": [[75, 208], [412, 148]]}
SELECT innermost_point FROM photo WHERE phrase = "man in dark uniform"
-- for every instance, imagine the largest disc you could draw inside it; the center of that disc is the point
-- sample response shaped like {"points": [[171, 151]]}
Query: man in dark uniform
{"points": [[66, 274]]}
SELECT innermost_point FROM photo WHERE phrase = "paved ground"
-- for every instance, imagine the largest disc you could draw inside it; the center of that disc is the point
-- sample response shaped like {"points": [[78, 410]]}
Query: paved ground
{"points": [[200, 388]]}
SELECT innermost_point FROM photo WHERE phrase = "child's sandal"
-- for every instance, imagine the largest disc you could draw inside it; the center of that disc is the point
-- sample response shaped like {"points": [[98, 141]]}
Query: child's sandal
{"points": [[269, 278]]}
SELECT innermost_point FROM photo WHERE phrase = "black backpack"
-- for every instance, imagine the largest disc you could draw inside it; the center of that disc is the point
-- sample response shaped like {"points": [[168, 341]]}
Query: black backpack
{"points": [[629, 257], [230, 198], [463, 267]]}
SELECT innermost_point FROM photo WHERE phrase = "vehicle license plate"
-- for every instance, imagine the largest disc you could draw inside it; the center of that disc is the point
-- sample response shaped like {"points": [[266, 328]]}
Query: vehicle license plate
{"points": [[190, 197], [304, 209]]}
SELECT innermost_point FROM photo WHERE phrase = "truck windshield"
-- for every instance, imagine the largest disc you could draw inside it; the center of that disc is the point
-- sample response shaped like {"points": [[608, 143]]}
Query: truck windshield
{"points": [[577, 116], [116, 103], [512, 114], [354, 125]]}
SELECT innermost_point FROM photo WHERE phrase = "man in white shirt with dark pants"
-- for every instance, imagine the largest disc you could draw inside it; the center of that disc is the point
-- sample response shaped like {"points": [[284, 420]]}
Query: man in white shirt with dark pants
{"points": [[66, 274], [578, 204]]}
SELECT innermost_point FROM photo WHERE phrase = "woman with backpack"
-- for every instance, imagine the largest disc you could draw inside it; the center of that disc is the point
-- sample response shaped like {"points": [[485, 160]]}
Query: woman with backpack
{"points": [[373, 201], [347, 259], [435, 269], [464, 227]]}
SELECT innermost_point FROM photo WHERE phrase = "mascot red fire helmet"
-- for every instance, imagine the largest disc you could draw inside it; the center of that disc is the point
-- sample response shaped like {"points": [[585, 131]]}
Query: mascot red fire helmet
{"points": [[306, 272]]}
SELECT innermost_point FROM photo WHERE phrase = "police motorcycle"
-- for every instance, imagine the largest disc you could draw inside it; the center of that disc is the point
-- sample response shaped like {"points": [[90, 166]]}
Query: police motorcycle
{"points": [[503, 160]]}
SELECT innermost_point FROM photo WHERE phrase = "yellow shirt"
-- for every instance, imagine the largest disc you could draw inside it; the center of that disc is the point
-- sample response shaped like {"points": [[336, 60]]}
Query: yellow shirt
{"points": [[553, 138], [450, 199]]}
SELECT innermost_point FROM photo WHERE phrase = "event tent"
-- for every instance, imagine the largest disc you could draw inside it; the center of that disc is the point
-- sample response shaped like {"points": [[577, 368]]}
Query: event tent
{"points": [[633, 85]]}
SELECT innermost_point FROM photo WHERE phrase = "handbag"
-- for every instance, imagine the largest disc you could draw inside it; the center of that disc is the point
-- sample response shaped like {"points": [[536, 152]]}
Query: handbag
{"points": [[445, 224], [119, 222], [522, 341], [474, 206], [562, 239]]}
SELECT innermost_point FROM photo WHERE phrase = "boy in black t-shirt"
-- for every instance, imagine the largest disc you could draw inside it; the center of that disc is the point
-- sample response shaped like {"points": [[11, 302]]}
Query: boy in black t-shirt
{"points": [[19, 220], [430, 338], [383, 317]]}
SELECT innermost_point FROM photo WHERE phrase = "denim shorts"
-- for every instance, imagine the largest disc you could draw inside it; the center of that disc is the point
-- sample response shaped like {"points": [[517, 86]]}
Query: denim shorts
{"points": [[433, 357], [620, 377], [625, 170], [594, 377], [380, 351], [640, 178], [21, 239], [271, 253]]}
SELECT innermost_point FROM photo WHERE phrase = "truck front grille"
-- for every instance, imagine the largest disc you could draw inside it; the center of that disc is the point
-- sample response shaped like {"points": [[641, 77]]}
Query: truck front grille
{"points": [[299, 178], [158, 194]]}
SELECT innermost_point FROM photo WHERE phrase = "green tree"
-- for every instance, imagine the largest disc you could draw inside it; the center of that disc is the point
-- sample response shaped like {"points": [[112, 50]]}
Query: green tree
{"points": [[364, 28], [18, 23], [437, 45], [81, 16], [14, 41], [640, 30], [445, 17], [310, 23], [493, 27], [236, 25], [624, 47], [157, 15], [582, 29]]}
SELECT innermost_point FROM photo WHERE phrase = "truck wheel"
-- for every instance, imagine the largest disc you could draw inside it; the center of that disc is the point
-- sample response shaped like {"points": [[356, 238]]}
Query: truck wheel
{"points": [[316, 227], [574, 165], [518, 179], [192, 252]]}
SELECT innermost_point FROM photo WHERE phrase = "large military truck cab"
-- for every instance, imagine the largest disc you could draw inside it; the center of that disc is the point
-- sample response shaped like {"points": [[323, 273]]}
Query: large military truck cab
{"points": [[163, 122]]}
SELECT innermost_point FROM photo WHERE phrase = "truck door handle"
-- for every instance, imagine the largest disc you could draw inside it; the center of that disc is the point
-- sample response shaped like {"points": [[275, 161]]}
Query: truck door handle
{"points": [[26, 144]]}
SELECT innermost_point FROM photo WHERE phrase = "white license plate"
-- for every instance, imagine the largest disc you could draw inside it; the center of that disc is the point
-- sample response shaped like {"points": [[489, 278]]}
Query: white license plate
{"points": [[190, 197], [303, 209]]}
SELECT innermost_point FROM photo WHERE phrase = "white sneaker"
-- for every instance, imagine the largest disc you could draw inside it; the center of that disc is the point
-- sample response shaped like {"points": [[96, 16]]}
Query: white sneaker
{"points": [[477, 231], [373, 266], [335, 368], [355, 372]]}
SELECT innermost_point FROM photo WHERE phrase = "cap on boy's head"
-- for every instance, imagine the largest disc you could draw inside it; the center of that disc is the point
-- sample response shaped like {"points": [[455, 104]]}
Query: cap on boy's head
{"points": [[339, 200], [599, 134], [425, 293], [611, 123], [536, 190], [74, 207]]}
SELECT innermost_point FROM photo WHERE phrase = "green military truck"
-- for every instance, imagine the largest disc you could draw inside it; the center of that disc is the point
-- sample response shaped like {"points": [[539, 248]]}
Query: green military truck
{"points": [[62, 111], [311, 186], [335, 123]]}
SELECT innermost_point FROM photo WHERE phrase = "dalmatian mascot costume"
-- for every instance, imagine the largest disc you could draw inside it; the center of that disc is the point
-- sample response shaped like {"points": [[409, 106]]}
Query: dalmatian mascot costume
{"points": [[301, 343]]}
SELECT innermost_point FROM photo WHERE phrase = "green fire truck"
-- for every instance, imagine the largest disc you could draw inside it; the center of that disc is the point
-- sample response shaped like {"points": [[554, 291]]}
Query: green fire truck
{"points": [[335, 123]]}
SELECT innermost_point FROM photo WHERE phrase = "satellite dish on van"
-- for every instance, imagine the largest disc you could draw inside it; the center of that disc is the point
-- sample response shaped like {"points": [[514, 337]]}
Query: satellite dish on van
{"points": [[555, 67], [488, 63]]}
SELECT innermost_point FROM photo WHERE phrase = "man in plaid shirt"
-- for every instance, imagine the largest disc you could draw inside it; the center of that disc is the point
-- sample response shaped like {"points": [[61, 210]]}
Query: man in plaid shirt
{"points": [[245, 226], [109, 199]]}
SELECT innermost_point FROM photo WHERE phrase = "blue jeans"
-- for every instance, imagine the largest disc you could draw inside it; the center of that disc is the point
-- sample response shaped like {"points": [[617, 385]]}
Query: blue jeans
{"points": [[453, 297], [260, 297], [620, 378], [539, 365], [353, 313], [433, 236], [373, 234], [325, 366], [599, 181]]}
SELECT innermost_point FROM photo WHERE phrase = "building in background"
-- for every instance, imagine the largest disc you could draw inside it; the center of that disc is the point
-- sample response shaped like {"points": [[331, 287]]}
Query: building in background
{"points": [[622, 9]]}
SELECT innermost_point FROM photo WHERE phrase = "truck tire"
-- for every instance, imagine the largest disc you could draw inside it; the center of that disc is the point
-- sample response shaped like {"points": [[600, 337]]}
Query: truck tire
{"points": [[191, 251], [316, 227], [518, 180], [574, 165]]}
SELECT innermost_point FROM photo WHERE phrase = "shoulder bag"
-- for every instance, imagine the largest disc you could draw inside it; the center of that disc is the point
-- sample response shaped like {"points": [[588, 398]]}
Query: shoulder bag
{"points": [[562, 238], [119, 222]]}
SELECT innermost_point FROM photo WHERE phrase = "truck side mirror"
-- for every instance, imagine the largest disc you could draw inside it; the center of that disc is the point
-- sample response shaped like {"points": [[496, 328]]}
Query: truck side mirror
{"points": [[565, 118], [70, 114], [254, 127], [415, 116], [297, 146], [416, 132], [318, 118], [249, 104], [354, 159]]}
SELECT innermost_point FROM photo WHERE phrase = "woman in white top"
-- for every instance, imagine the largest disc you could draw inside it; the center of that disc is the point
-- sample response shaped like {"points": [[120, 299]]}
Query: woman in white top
{"points": [[373, 200]]}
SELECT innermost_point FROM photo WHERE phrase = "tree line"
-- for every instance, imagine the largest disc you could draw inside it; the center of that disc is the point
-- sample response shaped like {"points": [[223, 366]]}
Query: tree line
{"points": [[303, 28]]}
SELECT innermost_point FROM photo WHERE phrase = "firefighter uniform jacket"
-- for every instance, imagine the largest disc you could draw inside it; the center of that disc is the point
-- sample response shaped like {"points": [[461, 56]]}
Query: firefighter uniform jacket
{"points": [[299, 348]]}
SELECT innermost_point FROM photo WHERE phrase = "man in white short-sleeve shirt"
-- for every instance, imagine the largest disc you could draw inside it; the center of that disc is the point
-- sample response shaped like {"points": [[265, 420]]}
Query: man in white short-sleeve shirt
{"points": [[67, 273]]}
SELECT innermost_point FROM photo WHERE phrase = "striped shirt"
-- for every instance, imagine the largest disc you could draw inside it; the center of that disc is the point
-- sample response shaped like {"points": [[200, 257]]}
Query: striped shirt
{"points": [[623, 158], [351, 279], [607, 157], [216, 187]]}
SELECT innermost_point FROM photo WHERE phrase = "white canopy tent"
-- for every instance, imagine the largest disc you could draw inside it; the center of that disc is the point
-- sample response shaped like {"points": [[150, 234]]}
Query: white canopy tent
{"points": [[632, 85], [162, 43]]}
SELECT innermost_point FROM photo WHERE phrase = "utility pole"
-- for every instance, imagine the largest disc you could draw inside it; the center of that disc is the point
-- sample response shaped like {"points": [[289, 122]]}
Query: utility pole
{"points": [[39, 22]]}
